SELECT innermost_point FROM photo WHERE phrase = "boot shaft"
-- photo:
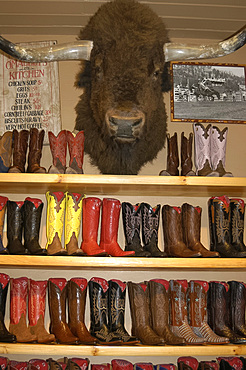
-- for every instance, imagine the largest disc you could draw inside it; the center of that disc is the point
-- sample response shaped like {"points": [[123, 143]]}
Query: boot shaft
{"points": [[186, 155], [139, 305], [172, 155], [3, 205], [178, 300], [90, 219], [218, 146], [131, 216], [197, 302], [220, 219], [73, 216], [150, 223], [191, 223], [57, 295], [98, 294], [32, 209], [202, 146], [36, 300], [18, 299], [76, 152], [4, 284], [56, 203], [237, 304], [218, 309], [15, 220], [116, 304], [35, 151], [237, 211], [121, 365], [110, 220], [159, 303], [6, 141], [19, 151], [77, 290], [58, 147]]}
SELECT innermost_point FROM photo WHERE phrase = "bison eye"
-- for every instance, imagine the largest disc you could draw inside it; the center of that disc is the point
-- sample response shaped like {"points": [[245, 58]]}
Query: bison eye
{"points": [[156, 73]]}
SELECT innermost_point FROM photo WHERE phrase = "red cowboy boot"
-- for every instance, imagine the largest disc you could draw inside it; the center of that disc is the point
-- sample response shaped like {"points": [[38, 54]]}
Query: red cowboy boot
{"points": [[121, 365], [76, 152], [58, 147]]}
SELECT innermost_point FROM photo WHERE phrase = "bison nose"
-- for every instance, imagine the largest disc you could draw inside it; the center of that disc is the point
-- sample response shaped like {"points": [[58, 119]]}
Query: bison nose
{"points": [[125, 126]]}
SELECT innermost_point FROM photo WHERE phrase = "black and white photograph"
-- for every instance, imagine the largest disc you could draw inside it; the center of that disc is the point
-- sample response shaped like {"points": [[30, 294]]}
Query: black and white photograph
{"points": [[208, 92]]}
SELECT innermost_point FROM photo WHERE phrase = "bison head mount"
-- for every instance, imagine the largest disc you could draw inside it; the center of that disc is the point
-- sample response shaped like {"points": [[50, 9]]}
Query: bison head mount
{"points": [[124, 51]]}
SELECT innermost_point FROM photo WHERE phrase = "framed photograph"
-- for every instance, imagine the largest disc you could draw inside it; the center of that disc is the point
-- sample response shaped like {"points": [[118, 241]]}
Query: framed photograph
{"points": [[206, 92]]}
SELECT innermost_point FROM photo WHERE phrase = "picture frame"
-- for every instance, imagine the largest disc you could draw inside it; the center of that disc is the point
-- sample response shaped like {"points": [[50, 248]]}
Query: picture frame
{"points": [[208, 92]]}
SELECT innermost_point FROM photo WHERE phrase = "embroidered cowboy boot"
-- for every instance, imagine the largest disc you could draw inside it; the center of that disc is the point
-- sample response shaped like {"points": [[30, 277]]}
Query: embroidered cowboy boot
{"points": [[237, 211], [18, 310], [143, 366], [77, 290], [72, 223], [101, 366], [3, 205], [18, 365], [56, 203], [37, 364], [237, 305], [109, 228], [19, 151], [116, 311], [58, 147], [6, 141], [218, 151], [131, 216], [76, 152], [150, 226], [57, 296], [172, 157], [140, 314], [159, 307], [188, 363], [35, 151], [121, 365], [230, 363], [15, 222], [76, 363], [186, 155], [208, 365], [5, 335]]}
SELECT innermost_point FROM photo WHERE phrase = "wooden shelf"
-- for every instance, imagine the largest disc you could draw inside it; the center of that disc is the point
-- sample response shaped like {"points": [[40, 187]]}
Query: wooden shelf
{"points": [[124, 185]]}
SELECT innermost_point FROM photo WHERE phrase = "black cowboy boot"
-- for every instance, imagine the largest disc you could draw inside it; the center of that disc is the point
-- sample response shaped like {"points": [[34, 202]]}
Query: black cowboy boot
{"points": [[98, 293], [237, 209], [116, 311], [237, 304], [5, 335], [131, 215], [15, 227], [150, 225]]}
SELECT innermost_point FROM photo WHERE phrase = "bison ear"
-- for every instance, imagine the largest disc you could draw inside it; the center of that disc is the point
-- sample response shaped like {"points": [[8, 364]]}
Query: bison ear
{"points": [[166, 78], [83, 78]]}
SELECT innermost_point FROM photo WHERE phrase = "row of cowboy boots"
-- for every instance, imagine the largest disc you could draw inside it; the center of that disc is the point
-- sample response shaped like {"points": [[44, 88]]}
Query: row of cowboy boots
{"points": [[73, 363], [221, 363]]}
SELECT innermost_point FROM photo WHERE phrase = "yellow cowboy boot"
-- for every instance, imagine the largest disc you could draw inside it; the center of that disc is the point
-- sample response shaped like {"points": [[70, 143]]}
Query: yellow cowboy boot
{"points": [[56, 203], [72, 223]]}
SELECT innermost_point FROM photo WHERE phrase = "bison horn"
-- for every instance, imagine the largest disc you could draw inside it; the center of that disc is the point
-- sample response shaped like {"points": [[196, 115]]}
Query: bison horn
{"points": [[77, 50], [175, 51]]}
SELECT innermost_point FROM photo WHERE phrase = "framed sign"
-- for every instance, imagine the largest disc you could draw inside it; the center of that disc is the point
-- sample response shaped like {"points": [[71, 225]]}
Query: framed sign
{"points": [[29, 94], [204, 92]]}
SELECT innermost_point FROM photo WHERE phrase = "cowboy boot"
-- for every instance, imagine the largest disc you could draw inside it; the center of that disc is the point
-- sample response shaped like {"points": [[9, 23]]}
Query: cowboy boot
{"points": [[140, 314], [15, 227], [237, 210], [18, 365], [208, 365], [173, 233], [219, 227], [76, 363], [32, 209], [5, 335], [178, 316], [121, 365], [35, 151], [57, 296], [172, 157], [109, 228], [150, 226], [6, 141], [197, 308], [3, 205], [58, 147], [188, 363], [116, 311], [186, 155], [218, 151], [56, 203], [191, 222], [37, 364], [76, 152], [159, 307], [218, 311], [72, 223], [230, 363], [143, 366], [237, 304], [131, 215], [101, 366], [77, 289], [90, 221], [18, 308], [165, 367], [202, 141], [56, 365], [98, 293], [19, 151], [4, 363], [36, 311]]}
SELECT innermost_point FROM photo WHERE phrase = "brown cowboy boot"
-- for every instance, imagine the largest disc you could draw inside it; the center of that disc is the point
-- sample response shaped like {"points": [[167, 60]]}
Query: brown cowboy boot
{"points": [[188, 363], [35, 151], [76, 152], [58, 147], [172, 157], [186, 155], [3, 205], [6, 141], [237, 304], [19, 152]]}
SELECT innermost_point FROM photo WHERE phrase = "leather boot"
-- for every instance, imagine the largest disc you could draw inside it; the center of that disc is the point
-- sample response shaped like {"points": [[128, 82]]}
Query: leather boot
{"points": [[18, 308], [76, 152], [56, 203], [101, 366], [191, 222], [15, 222], [159, 306], [35, 151], [116, 311], [90, 222], [219, 227], [140, 314], [58, 147], [187, 363], [32, 209], [143, 366], [237, 211], [165, 366], [5, 335], [218, 311], [218, 151], [109, 228], [98, 293], [76, 363], [173, 233], [72, 223], [121, 365], [186, 155], [197, 308], [3, 205], [56, 365], [57, 294], [202, 141], [18, 365], [131, 216], [178, 316], [172, 157], [150, 225], [208, 365], [230, 363], [36, 311], [237, 304], [6, 141], [19, 151], [37, 364], [4, 363], [77, 290]]}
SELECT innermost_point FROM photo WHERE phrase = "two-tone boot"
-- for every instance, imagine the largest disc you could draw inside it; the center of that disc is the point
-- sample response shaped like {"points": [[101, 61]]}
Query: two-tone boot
{"points": [[230, 363], [19, 151], [76, 152], [218, 151], [5, 335], [35, 151], [76, 363], [4, 363], [237, 305], [58, 147], [186, 155], [118, 364], [37, 364], [6, 142], [15, 222], [3, 205], [73, 215], [208, 365], [188, 363], [172, 157], [143, 366]]}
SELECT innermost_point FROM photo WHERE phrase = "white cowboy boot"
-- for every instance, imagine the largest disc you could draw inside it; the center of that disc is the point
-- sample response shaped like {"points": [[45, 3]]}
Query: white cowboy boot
{"points": [[218, 151]]}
